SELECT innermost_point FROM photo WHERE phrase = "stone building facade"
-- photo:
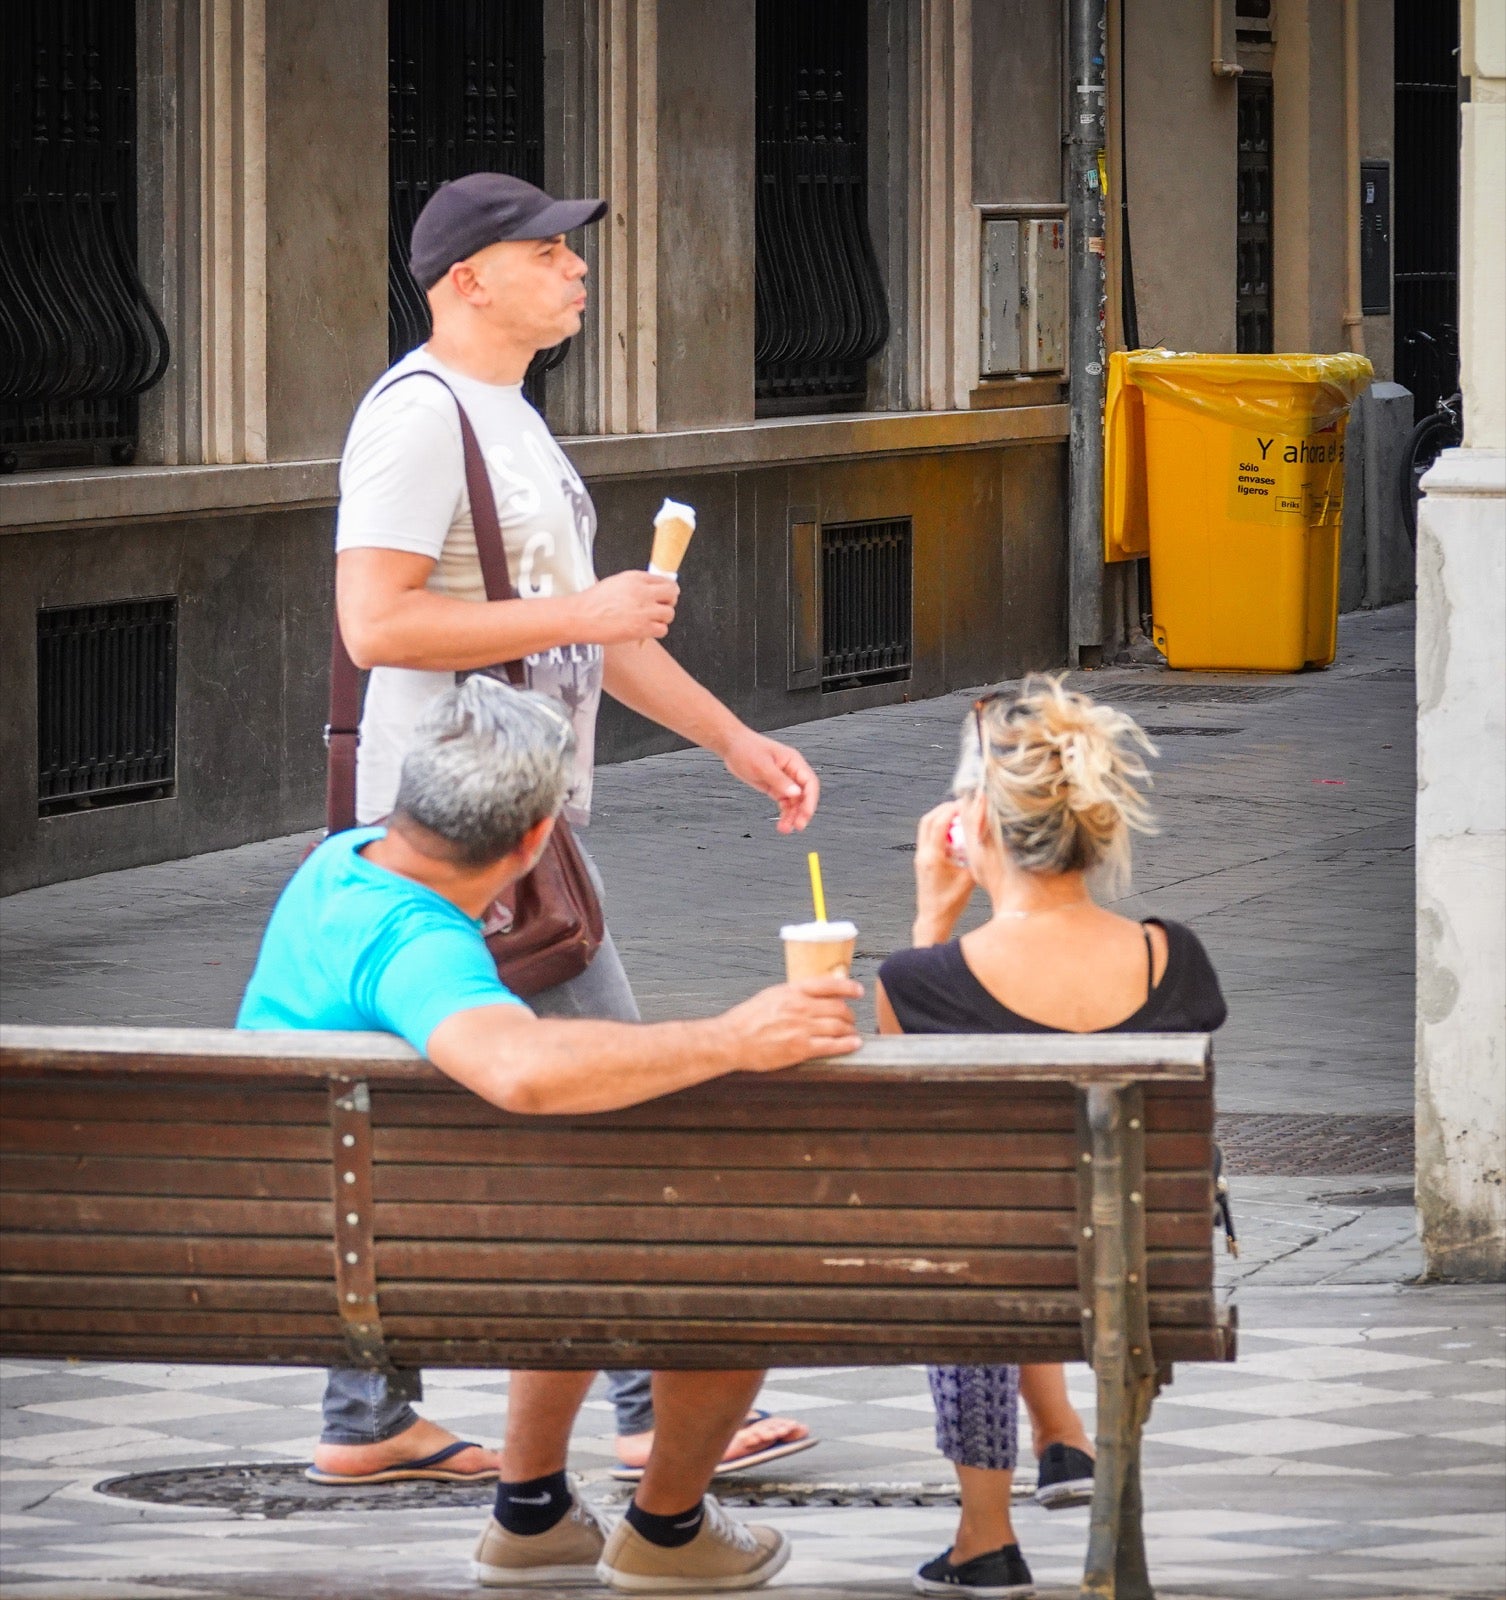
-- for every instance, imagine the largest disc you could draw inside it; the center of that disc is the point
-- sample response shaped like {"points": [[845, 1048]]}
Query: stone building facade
{"points": [[271, 167]]}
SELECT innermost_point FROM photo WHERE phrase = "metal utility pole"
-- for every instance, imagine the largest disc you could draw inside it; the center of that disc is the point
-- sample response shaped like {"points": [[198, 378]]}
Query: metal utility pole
{"points": [[1086, 140]]}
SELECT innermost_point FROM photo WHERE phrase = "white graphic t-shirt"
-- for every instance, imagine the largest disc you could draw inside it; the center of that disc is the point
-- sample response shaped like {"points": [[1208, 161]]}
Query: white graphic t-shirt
{"points": [[402, 487]]}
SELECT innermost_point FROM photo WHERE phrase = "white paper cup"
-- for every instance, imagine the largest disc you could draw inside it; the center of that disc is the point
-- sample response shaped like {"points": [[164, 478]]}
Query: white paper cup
{"points": [[818, 949]]}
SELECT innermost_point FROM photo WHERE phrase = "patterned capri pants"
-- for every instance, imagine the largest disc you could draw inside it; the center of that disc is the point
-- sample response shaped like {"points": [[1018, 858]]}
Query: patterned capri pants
{"points": [[977, 1414]]}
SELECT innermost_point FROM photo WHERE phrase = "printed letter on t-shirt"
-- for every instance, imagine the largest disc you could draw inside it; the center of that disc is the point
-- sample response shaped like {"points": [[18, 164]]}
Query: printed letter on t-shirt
{"points": [[540, 544], [520, 497]]}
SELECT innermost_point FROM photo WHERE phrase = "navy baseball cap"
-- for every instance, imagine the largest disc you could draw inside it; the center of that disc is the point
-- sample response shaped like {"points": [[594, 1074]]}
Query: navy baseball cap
{"points": [[484, 208]]}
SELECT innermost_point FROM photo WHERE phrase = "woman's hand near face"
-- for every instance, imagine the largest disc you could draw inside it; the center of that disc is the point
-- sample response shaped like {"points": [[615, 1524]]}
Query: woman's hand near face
{"points": [[942, 888]]}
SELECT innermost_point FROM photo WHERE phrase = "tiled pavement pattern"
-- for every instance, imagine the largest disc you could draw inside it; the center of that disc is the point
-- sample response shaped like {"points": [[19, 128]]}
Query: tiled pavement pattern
{"points": [[1354, 1452], [1317, 1232]]}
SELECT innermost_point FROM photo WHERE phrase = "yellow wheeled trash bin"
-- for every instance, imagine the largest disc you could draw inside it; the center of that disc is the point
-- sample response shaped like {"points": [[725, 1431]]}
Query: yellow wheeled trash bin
{"points": [[1229, 470]]}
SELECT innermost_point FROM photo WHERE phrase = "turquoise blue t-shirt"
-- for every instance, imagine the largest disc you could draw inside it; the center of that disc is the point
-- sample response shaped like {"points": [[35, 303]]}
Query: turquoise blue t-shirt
{"points": [[351, 946]]}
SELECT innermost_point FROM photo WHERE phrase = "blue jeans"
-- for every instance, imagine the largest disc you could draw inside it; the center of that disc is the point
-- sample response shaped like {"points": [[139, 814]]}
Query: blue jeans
{"points": [[362, 1407]]}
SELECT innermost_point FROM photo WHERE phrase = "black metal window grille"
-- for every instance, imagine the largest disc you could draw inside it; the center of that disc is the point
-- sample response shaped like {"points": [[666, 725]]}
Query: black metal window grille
{"points": [[106, 703], [866, 584], [465, 93], [79, 338], [820, 310], [1426, 222], [1253, 271]]}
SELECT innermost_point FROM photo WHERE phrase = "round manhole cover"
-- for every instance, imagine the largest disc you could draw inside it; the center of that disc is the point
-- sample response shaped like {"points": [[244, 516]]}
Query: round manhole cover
{"points": [[275, 1491]]}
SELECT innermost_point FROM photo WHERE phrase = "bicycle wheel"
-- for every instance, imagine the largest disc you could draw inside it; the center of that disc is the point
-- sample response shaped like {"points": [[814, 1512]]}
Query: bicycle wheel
{"points": [[1426, 442]]}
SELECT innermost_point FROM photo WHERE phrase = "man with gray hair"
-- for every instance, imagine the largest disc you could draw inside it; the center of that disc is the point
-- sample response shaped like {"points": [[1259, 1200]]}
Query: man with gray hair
{"points": [[379, 930]]}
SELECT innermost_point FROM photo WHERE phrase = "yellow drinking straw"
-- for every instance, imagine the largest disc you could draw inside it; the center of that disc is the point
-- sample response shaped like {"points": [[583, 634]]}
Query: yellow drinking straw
{"points": [[817, 893]]}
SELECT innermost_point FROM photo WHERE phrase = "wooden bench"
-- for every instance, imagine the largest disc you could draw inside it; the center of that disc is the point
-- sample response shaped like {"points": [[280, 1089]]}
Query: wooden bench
{"points": [[180, 1195]]}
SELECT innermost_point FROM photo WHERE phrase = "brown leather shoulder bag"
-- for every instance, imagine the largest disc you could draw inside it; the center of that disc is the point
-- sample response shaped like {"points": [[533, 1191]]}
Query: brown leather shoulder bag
{"points": [[547, 927]]}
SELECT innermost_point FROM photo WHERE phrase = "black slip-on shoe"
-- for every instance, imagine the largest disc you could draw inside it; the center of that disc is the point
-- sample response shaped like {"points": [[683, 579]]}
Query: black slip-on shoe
{"points": [[1065, 1478], [1000, 1575]]}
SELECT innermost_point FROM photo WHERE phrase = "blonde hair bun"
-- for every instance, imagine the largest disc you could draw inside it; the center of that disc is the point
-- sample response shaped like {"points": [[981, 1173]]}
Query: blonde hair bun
{"points": [[1063, 775]]}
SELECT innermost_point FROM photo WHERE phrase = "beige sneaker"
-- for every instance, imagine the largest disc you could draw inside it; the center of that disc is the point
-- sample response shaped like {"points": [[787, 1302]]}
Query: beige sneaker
{"points": [[568, 1553], [725, 1554]]}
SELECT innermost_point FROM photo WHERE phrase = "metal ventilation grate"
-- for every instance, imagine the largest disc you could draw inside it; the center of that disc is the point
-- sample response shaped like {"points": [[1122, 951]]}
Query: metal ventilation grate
{"points": [[1161, 693], [866, 583], [1302, 1145], [106, 703]]}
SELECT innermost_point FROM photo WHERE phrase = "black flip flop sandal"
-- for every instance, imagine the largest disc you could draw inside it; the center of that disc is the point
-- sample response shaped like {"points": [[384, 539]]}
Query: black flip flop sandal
{"points": [[426, 1469]]}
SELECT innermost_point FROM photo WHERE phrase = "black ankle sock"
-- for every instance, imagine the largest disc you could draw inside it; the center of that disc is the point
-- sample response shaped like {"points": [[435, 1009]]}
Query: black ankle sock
{"points": [[667, 1532], [533, 1507]]}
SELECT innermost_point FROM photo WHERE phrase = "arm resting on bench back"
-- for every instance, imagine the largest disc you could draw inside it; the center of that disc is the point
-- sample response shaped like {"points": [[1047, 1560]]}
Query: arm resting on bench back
{"points": [[523, 1063]]}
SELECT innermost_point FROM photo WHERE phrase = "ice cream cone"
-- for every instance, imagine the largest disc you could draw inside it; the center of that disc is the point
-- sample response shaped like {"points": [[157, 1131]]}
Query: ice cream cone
{"points": [[674, 525]]}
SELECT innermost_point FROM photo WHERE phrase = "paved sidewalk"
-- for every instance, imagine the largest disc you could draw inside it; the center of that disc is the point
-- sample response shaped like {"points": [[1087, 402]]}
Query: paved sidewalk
{"points": [[1355, 1451], [1286, 842]]}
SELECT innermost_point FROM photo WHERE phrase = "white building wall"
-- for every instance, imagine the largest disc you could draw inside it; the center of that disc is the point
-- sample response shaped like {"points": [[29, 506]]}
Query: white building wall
{"points": [[1461, 730]]}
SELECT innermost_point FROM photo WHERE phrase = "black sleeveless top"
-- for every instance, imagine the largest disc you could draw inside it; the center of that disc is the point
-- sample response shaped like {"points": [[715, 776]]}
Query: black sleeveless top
{"points": [[933, 990]]}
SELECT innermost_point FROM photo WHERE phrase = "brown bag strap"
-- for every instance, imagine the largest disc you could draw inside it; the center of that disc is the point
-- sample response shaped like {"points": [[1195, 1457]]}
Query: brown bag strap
{"points": [[342, 732], [490, 550]]}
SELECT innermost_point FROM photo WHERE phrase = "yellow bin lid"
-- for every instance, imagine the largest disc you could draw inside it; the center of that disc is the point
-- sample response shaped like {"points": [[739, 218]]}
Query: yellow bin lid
{"points": [[1288, 394]]}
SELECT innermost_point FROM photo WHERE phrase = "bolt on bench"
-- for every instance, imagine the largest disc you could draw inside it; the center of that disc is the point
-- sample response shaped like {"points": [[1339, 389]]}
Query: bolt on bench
{"points": [[307, 1198]]}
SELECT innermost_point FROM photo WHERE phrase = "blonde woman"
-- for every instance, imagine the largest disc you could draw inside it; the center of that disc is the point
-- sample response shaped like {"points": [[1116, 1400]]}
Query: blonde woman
{"points": [[1047, 793]]}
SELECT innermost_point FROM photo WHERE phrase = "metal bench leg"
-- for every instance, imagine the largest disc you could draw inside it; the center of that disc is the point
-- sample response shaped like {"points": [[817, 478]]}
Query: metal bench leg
{"points": [[1127, 1377]]}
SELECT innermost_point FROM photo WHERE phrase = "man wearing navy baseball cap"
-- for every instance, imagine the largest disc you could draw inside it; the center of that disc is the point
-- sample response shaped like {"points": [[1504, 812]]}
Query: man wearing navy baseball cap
{"points": [[491, 253]]}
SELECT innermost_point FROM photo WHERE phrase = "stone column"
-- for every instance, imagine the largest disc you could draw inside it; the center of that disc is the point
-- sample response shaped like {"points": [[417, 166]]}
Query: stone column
{"points": [[627, 241], [946, 224], [1461, 730], [233, 231], [707, 178], [325, 233]]}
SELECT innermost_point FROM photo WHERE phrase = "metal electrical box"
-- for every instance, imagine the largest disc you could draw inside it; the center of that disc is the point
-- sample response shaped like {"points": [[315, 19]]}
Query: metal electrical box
{"points": [[1375, 238], [1024, 296], [1000, 352]]}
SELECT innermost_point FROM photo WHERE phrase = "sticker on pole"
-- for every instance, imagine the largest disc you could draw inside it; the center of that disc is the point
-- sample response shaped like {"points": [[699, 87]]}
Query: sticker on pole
{"points": [[1285, 478]]}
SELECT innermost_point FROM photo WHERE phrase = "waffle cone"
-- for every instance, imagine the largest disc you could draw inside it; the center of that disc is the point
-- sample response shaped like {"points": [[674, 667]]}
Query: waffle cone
{"points": [[672, 538]]}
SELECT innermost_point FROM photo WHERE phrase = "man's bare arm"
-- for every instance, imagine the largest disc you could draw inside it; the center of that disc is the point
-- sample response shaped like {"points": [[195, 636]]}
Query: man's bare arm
{"points": [[390, 619], [649, 680], [545, 1066]]}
